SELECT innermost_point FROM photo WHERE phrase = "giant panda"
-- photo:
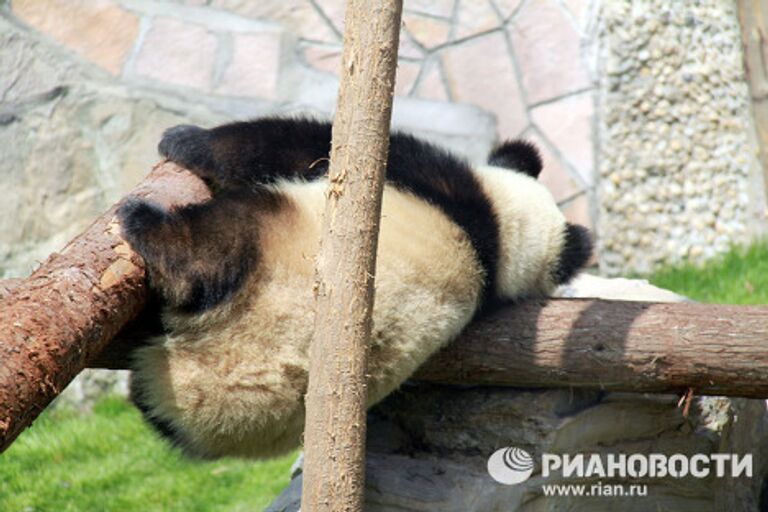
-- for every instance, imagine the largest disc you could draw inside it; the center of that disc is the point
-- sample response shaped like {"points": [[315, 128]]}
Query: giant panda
{"points": [[228, 373]]}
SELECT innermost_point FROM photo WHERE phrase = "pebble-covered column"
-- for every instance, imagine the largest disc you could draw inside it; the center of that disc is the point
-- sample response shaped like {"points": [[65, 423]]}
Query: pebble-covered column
{"points": [[678, 170]]}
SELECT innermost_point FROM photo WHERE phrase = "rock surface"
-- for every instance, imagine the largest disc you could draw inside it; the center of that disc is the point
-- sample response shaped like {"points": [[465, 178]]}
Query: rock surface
{"points": [[81, 113]]}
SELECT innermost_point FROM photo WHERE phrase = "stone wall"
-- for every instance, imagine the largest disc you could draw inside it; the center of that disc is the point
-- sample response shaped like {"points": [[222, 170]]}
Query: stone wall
{"points": [[88, 85]]}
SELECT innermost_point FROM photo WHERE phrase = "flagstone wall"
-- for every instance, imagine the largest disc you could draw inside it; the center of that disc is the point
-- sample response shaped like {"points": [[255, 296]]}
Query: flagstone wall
{"points": [[640, 109]]}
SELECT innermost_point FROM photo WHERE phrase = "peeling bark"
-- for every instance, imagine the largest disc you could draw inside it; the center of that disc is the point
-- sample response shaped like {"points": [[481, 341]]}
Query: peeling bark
{"points": [[334, 431], [55, 321], [7, 285]]}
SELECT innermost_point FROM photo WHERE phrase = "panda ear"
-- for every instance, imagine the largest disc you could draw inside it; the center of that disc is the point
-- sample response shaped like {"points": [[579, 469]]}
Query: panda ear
{"points": [[518, 155]]}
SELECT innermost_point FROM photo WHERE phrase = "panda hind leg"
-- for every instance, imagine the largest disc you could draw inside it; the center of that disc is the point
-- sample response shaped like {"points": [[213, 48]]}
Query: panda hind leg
{"points": [[197, 256], [238, 156]]}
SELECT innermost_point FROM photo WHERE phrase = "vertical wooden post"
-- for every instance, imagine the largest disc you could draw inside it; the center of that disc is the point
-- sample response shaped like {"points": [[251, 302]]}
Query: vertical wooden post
{"points": [[753, 18], [334, 433]]}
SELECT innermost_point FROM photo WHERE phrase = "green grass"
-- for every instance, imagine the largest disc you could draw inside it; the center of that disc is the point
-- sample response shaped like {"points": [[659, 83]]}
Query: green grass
{"points": [[111, 461], [739, 277]]}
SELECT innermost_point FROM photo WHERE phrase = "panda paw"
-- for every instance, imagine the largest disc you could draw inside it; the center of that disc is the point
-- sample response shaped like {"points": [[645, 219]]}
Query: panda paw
{"points": [[190, 147], [138, 222]]}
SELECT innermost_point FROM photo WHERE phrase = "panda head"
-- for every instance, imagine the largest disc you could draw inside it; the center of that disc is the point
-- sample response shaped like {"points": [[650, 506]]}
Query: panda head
{"points": [[538, 248]]}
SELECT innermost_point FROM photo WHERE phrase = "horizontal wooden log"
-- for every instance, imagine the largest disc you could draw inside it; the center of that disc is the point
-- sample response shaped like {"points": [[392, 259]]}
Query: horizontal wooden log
{"points": [[613, 345], [55, 321]]}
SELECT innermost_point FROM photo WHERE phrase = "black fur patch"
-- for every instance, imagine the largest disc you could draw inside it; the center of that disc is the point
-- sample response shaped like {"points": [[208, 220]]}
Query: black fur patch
{"points": [[207, 291], [518, 155], [189, 146], [198, 256], [140, 222], [577, 249]]}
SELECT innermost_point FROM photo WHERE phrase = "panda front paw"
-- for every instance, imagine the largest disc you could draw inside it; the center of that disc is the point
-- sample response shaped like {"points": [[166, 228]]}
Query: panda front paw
{"points": [[190, 147]]}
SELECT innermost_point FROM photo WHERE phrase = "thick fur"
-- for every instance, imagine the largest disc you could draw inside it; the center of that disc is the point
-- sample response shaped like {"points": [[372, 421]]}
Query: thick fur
{"points": [[229, 375]]}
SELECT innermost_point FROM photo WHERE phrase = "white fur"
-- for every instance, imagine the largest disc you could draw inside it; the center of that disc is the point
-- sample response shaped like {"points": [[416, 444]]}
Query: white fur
{"points": [[531, 231]]}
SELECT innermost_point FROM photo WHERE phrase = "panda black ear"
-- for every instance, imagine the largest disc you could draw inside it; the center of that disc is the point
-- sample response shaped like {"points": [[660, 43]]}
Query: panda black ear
{"points": [[518, 155]]}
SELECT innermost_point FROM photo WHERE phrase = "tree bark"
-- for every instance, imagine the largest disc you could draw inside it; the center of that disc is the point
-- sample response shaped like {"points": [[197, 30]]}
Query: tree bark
{"points": [[334, 433], [7, 285], [613, 345], [753, 18], [54, 322]]}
